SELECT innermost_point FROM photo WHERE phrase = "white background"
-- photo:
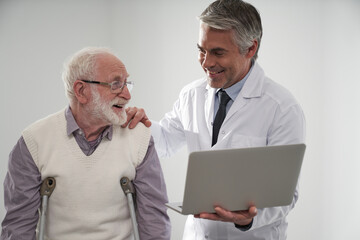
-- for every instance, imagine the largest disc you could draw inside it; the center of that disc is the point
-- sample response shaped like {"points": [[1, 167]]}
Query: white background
{"points": [[310, 47]]}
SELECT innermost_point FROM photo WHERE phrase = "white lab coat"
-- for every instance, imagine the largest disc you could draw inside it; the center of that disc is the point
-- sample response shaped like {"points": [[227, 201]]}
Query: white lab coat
{"points": [[264, 113]]}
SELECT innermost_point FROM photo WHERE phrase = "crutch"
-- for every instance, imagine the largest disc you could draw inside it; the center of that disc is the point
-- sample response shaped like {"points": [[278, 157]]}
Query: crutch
{"points": [[46, 190], [129, 190]]}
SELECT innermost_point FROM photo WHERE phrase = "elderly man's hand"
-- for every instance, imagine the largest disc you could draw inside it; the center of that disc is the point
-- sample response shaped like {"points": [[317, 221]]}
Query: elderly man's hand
{"points": [[134, 116], [241, 218]]}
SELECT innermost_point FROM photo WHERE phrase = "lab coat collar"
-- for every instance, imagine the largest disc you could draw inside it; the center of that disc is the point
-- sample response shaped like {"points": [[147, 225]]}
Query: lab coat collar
{"points": [[251, 89], [253, 86]]}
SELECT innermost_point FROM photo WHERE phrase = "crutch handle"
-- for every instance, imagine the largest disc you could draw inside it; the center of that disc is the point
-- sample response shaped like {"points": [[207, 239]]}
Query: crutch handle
{"points": [[47, 186], [129, 191], [127, 186], [46, 189]]}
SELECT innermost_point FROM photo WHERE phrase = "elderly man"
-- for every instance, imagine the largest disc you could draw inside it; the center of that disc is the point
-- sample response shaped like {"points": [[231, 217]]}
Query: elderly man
{"points": [[84, 148], [235, 106]]}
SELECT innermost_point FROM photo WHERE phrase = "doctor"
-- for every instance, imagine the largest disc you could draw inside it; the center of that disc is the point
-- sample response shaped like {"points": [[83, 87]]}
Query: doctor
{"points": [[259, 112]]}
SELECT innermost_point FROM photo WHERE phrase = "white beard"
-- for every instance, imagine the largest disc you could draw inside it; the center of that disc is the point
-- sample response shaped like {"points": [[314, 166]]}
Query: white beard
{"points": [[103, 110]]}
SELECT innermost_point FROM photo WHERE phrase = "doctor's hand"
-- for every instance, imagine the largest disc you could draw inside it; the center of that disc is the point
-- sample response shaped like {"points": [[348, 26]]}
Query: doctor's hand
{"points": [[134, 116], [241, 218]]}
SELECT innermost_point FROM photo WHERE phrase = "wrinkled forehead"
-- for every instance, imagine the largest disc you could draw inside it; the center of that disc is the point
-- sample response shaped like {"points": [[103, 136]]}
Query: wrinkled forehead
{"points": [[110, 68]]}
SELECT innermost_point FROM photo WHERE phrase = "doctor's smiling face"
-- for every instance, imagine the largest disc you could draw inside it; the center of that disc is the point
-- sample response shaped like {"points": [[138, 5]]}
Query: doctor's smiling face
{"points": [[220, 57]]}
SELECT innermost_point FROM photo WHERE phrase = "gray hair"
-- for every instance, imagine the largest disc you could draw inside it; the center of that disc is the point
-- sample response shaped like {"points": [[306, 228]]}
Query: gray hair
{"points": [[81, 65], [235, 15]]}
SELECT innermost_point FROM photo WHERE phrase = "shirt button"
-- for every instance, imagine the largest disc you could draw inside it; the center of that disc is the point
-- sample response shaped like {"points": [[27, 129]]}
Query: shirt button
{"points": [[223, 132]]}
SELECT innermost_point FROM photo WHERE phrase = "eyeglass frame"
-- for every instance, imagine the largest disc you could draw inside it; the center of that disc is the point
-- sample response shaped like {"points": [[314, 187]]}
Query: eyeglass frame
{"points": [[128, 84]]}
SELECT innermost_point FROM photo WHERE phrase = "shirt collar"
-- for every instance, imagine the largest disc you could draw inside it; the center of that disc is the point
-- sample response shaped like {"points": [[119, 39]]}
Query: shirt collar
{"points": [[235, 89], [72, 126]]}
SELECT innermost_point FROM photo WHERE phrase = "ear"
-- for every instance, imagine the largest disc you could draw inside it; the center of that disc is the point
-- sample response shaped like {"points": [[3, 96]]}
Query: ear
{"points": [[81, 91], [252, 50]]}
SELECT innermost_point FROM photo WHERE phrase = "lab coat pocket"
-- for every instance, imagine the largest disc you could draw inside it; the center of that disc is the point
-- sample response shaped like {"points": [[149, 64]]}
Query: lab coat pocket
{"points": [[243, 141]]}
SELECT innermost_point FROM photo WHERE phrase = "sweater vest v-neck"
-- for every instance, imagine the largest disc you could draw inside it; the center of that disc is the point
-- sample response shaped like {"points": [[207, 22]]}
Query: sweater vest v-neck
{"points": [[88, 201]]}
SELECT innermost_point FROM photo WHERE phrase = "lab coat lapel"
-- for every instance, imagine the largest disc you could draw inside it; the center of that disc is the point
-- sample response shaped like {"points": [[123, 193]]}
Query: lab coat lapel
{"points": [[252, 88], [209, 107], [239, 102]]}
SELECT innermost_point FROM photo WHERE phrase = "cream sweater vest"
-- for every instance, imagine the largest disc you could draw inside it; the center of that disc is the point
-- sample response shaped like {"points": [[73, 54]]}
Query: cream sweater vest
{"points": [[88, 201]]}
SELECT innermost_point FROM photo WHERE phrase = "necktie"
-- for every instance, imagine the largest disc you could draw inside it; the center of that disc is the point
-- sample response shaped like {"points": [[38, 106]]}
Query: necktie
{"points": [[220, 115]]}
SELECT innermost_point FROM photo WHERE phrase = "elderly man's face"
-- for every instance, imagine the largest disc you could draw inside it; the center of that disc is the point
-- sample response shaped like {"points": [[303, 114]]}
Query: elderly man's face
{"points": [[107, 106]]}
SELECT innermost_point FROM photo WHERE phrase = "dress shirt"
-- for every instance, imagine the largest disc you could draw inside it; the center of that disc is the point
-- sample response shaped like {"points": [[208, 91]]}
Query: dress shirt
{"points": [[232, 91]]}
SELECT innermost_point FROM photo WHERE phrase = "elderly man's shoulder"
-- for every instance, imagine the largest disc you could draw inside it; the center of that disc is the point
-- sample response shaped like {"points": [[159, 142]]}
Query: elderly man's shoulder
{"points": [[140, 129], [47, 121]]}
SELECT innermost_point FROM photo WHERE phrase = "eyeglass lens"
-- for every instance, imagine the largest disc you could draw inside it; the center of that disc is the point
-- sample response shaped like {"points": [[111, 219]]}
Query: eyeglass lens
{"points": [[120, 85]]}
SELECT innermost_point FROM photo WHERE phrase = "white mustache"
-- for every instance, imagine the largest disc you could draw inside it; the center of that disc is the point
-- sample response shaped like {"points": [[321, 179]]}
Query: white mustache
{"points": [[121, 102]]}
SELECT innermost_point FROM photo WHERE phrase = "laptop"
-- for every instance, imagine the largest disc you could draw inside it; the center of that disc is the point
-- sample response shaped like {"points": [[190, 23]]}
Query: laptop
{"points": [[238, 178]]}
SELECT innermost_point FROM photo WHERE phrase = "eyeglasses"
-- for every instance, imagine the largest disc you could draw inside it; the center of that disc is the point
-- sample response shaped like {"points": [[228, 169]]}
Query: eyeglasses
{"points": [[115, 86]]}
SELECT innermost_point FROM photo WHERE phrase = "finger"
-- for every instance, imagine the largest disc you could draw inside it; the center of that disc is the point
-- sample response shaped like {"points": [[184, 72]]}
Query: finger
{"points": [[210, 216], [238, 217], [146, 122], [138, 117], [224, 214], [130, 112], [252, 211]]}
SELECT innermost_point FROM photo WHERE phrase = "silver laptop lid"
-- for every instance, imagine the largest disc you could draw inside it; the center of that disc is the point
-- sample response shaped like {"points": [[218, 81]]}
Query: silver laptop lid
{"points": [[237, 178]]}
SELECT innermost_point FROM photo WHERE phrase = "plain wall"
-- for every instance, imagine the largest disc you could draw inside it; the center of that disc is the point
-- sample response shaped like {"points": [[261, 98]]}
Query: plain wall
{"points": [[310, 47]]}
